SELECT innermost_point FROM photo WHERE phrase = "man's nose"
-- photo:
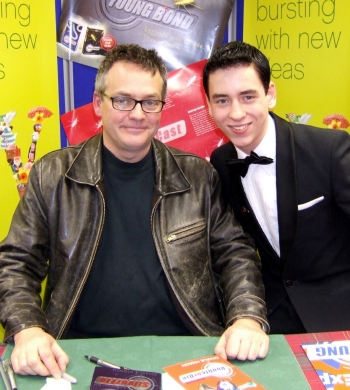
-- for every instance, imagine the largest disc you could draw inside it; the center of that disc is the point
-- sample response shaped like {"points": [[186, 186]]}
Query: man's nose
{"points": [[237, 111], [137, 111]]}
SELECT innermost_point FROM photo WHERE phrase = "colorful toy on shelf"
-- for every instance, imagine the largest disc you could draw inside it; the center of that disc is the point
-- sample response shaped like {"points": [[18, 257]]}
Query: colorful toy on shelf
{"points": [[294, 118], [336, 121], [7, 137], [38, 114], [13, 152]]}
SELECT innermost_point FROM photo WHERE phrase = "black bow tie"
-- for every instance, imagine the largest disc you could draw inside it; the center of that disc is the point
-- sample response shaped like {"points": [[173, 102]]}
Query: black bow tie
{"points": [[241, 165]]}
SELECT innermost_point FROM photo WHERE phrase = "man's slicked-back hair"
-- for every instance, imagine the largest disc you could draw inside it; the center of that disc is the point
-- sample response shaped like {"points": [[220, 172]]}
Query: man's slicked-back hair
{"points": [[148, 60], [234, 54]]}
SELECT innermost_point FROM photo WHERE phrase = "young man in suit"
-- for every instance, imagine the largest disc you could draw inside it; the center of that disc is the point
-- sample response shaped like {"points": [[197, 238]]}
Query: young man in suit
{"points": [[294, 200]]}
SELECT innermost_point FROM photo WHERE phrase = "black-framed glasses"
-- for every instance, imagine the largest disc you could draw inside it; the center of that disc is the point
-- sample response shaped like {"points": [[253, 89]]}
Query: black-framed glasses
{"points": [[123, 103]]}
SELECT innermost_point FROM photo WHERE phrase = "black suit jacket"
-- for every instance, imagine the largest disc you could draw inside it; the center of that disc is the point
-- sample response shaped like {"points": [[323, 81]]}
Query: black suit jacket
{"points": [[314, 265]]}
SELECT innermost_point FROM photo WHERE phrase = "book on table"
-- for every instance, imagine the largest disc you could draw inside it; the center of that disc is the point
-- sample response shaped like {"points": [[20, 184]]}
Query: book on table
{"points": [[207, 373], [331, 361]]}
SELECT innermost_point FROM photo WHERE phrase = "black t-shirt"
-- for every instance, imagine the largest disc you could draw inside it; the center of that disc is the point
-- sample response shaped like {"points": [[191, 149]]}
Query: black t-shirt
{"points": [[126, 293]]}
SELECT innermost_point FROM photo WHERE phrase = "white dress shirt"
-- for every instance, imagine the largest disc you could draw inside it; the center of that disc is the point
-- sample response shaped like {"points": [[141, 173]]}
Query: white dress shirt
{"points": [[260, 187]]}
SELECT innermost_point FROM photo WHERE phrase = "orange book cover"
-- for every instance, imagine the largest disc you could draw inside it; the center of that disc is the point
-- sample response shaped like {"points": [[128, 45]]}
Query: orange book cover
{"points": [[210, 373]]}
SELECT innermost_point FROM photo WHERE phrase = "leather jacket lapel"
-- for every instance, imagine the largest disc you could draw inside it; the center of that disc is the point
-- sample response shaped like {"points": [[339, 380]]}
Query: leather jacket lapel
{"points": [[87, 165], [169, 177]]}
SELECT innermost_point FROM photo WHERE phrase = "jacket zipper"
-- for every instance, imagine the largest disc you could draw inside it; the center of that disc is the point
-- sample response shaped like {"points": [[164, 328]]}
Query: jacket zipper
{"points": [[75, 300], [185, 232], [173, 237]]}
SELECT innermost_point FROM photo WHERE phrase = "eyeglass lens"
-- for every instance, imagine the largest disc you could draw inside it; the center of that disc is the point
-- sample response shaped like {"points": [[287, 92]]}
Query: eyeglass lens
{"points": [[128, 104]]}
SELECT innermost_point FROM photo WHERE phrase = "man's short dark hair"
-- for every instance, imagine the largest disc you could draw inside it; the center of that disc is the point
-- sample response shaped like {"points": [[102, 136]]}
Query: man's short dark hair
{"points": [[234, 54], [148, 60]]}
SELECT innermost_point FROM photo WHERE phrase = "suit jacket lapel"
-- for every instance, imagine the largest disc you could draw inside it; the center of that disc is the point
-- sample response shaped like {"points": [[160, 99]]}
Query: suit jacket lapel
{"points": [[286, 194], [287, 200], [237, 190]]}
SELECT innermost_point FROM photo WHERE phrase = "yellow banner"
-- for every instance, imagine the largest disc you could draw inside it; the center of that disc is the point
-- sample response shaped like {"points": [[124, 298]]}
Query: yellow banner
{"points": [[29, 113], [308, 46]]}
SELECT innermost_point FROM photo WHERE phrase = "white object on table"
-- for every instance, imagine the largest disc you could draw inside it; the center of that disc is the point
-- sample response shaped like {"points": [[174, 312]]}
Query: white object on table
{"points": [[57, 384]]}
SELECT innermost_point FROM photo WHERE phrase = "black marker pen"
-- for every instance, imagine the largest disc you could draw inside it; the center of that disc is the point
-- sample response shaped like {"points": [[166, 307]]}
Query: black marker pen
{"points": [[100, 362]]}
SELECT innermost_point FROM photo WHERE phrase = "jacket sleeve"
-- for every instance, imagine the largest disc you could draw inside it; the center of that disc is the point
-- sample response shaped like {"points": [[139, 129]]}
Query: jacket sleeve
{"points": [[236, 262], [339, 171], [23, 262]]}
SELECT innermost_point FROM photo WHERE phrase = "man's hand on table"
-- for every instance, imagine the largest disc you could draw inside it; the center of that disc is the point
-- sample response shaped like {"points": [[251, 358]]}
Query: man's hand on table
{"points": [[244, 339], [37, 353]]}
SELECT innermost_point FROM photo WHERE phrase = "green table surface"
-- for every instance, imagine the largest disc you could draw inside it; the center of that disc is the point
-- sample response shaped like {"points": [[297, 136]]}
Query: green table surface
{"points": [[278, 371]]}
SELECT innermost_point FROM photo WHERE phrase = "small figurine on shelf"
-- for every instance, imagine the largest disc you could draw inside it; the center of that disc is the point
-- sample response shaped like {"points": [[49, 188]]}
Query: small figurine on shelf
{"points": [[336, 121], [7, 137], [38, 114], [13, 153]]}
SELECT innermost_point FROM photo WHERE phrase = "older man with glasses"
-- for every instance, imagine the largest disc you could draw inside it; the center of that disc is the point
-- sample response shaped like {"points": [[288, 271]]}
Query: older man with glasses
{"points": [[133, 236]]}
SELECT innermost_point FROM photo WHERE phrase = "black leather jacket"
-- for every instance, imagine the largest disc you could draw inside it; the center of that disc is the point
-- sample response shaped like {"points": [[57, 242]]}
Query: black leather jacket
{"points": [[61, 217]]}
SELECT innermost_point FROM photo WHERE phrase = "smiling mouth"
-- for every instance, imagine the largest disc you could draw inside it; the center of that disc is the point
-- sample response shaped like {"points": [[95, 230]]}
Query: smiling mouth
{"points": [[239, 129], [135, 129]]}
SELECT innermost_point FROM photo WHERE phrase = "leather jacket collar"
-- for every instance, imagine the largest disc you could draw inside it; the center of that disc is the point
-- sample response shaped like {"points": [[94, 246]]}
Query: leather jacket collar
{"points": [[87, 167]]}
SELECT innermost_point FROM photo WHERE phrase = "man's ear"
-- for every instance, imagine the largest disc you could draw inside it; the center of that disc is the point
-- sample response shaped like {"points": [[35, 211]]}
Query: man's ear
{"points": [[209, 108], [271, 96], [97, 101]]}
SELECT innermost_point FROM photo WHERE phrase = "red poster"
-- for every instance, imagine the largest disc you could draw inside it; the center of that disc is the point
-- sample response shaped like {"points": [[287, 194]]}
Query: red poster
{"points": [[185, 124]]}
